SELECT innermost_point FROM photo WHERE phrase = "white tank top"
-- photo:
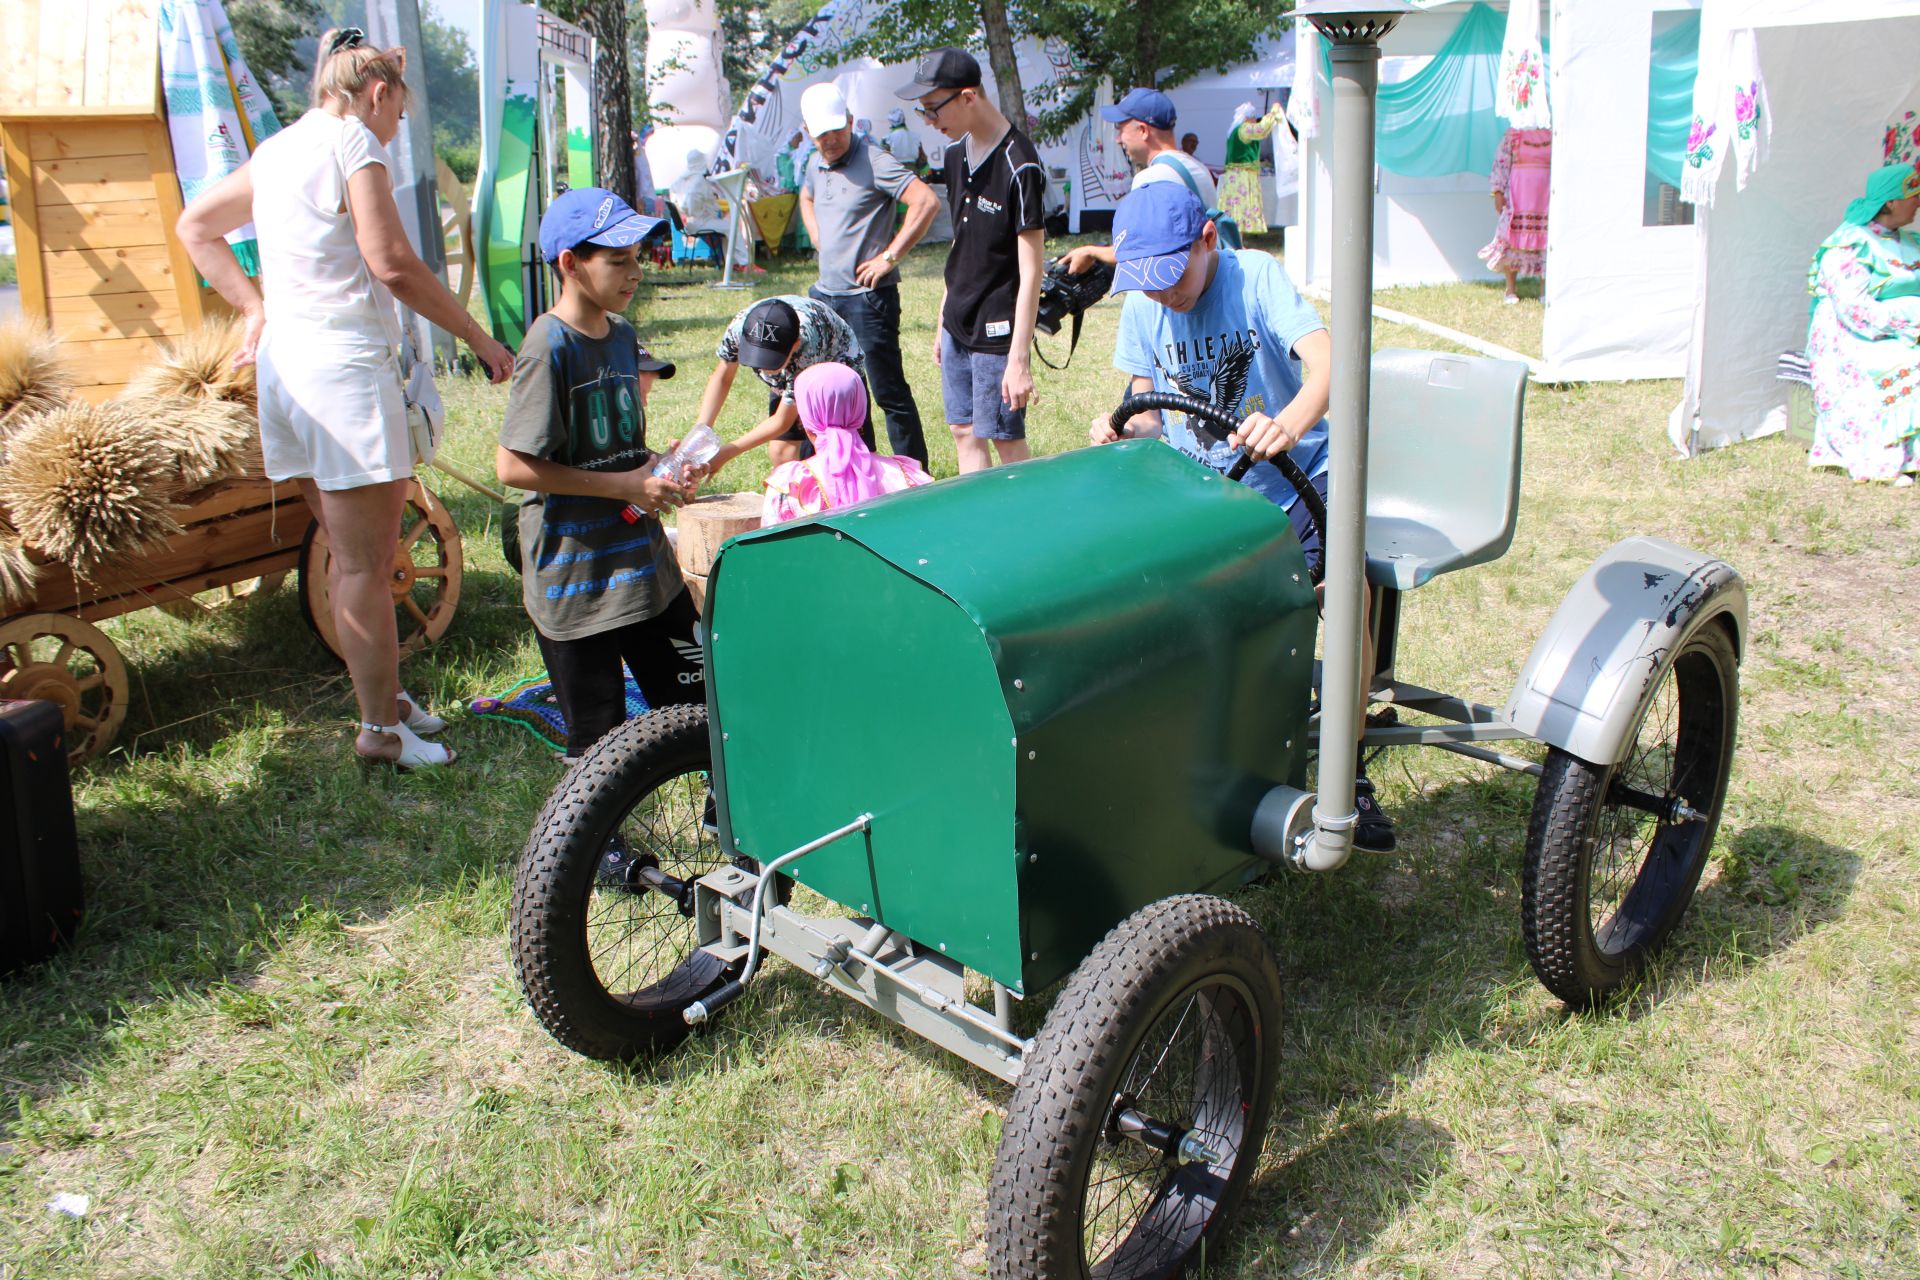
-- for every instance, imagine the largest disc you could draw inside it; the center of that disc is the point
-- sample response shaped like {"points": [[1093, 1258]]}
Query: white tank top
{"points": [[315, 282]]}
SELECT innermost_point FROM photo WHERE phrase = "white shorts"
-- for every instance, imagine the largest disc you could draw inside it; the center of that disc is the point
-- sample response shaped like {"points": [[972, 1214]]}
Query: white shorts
{"points": [[332, 413]]}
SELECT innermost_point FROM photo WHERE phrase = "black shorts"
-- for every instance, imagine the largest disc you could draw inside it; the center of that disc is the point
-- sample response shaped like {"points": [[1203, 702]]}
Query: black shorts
{"points": [[1305, 529]]}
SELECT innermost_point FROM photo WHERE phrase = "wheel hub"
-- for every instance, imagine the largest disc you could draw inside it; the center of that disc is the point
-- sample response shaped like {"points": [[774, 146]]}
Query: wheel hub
{"points": [[44, 682], [1179, 1145], [400, 583]]}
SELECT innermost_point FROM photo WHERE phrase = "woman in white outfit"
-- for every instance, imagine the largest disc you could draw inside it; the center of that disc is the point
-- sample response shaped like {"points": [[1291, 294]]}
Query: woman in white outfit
{"points": [[333, 256]]}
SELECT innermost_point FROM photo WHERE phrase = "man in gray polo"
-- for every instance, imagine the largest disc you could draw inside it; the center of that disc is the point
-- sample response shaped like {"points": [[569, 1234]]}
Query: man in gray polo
{"points": [[847, 198]]}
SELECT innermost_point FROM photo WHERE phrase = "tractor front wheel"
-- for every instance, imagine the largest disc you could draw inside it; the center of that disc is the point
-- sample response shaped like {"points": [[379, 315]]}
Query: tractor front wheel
{"points": [[1140, 1111]]}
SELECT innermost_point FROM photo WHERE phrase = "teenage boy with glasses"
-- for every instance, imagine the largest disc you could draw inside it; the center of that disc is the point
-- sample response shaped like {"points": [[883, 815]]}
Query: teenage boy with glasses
{"points": [[996, 193]]}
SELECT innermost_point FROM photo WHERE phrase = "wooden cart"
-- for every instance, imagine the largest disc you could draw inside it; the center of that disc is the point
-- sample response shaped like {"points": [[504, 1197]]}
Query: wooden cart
{"points": [[237, 536]]}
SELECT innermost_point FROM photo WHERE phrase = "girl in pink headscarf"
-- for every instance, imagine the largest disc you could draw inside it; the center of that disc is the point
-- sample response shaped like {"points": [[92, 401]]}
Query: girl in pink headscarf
{"points": [[832, 401]]}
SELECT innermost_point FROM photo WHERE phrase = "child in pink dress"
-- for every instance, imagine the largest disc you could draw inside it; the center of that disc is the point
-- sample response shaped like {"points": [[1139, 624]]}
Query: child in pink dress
{"points": [[832, 401]]}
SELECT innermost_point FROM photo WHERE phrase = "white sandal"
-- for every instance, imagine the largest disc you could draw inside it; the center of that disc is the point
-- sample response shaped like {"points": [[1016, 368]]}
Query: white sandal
{"points": [[417, 717], [414, 753]]}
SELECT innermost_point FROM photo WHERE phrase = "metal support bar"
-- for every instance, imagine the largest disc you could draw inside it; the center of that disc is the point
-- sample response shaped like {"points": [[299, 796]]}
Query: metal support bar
{"points": [[1500, 758], [700, 1010], [1432, 735]]}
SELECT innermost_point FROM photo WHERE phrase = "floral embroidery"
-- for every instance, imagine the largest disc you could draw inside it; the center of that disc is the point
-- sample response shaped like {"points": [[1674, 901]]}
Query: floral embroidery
{"points": [[1746, 110], [1699, 151], [1523, 75]]}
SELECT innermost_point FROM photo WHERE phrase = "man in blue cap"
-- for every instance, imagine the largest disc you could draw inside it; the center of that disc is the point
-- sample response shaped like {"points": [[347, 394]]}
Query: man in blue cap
{"points": [[1143, 123], [1226, 326]]}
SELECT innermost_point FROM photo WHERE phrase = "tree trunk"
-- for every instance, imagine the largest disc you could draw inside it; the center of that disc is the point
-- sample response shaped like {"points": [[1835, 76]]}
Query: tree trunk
{"points": [[1146, 54], [1006, 66], [606, 22]]}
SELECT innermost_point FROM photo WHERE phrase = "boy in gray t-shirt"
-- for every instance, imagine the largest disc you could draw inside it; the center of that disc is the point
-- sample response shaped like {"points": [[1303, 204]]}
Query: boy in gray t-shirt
{"points": [[599, 578]]}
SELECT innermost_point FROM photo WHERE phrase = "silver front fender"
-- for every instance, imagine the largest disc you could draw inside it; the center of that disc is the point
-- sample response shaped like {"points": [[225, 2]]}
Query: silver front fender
{"points": [[1612, 639]]}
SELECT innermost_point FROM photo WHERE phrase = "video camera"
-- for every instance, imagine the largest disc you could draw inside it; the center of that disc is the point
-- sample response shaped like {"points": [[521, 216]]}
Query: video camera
{"points": [[1064, 293]]}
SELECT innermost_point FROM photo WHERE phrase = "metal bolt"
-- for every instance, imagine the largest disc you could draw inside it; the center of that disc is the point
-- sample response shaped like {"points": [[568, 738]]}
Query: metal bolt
{"points": [[923, 559], [1034, 956], [1289, 744], [943, 946], [1019, 683], [1032, 858], [724, 736], [838, 536], [1296, 577], [1033, 755], [1293, 653]]}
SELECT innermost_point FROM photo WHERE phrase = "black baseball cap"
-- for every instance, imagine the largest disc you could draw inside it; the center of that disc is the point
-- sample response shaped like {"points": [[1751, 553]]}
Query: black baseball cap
{"points": [[943, 69], [768, 334], [650, 363]]}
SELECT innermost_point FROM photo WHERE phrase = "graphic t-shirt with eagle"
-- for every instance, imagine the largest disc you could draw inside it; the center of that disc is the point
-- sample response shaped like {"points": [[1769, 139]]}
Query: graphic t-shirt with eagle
{"points": [[1233, 350]]}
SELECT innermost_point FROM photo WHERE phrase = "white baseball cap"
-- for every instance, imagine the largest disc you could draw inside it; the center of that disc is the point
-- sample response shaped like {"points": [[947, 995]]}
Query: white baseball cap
{"points": [[824, 108]]}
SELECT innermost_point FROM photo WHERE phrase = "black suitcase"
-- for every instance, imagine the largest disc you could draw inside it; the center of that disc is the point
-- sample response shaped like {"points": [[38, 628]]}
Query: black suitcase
{"points": [[39, 849]]}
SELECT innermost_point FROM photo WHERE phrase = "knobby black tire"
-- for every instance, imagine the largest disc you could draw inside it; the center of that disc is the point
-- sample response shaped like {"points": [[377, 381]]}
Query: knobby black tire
{"points": [[1193, 962], [608, 969], [1605, 884]]}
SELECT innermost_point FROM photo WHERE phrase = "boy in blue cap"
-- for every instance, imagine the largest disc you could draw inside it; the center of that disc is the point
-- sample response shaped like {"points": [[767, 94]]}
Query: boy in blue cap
{"points": [[1226, 326], [599, 578]]}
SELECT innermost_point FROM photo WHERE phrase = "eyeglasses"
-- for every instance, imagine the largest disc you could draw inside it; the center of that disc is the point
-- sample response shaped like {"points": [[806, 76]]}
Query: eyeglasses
{"points": [[928, 113]]}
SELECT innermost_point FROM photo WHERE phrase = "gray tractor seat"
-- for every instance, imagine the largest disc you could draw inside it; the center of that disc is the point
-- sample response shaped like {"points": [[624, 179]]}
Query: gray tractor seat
{"points": [[1443, 463]]}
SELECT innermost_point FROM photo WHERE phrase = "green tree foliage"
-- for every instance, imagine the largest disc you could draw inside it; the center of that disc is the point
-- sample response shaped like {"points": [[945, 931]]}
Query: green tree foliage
{"points": [[1130, 42], [1136, 44], [280, 39], [277, 39]]}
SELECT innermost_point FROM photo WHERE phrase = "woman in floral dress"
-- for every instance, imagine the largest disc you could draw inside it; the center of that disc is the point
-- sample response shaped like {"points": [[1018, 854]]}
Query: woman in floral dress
{"points": [[1863, 336], [1240, 197], [1521, 169]]}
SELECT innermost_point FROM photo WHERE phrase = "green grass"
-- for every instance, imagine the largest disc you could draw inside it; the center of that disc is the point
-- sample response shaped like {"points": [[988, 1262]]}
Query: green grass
{"points": [[9, 270], [290, 1043]]}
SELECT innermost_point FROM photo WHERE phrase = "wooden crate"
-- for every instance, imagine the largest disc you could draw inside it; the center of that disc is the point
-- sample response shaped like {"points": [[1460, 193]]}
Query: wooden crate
{"points": [[235, 532]]}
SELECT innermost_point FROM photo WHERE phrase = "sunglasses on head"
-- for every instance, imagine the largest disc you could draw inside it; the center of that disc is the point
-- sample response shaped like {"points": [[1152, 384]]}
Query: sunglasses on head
{"points": [[929, 112], [346, 38]]}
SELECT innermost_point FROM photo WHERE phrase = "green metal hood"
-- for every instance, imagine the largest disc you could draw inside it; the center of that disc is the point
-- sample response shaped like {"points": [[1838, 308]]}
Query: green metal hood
{"points": [[1060, 686]]}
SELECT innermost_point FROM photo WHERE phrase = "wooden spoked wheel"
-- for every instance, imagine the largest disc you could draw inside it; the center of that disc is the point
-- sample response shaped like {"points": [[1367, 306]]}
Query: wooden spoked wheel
{"points": [[456, 231], [54, 658], [425, 580]]}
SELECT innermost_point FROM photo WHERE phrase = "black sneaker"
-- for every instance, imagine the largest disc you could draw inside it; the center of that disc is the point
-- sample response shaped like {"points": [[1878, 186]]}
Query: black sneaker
{"points": [[616, 864], [1373, 833]]}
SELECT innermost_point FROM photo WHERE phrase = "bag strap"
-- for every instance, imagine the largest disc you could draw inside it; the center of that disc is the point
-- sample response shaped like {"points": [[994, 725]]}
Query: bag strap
{"points": [[399, 342], [1166, 158]]}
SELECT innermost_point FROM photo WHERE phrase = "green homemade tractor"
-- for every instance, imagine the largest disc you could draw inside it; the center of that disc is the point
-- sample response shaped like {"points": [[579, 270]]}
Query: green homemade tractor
{"points": [[918, 708], [1031, 724]]}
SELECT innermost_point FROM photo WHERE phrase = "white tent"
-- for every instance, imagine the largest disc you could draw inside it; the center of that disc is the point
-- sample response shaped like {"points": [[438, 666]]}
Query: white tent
{"points": [[1619, 292], [1832, 73]]}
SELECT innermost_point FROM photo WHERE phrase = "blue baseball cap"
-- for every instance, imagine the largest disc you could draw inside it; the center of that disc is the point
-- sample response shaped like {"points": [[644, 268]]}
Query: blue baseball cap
{"points": [[1148, 106], [592, 215], [1153, 229]]}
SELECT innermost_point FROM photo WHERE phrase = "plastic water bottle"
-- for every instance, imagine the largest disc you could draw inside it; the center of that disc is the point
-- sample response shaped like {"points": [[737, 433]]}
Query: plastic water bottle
{"points": [[701, 444], [696, 450]]}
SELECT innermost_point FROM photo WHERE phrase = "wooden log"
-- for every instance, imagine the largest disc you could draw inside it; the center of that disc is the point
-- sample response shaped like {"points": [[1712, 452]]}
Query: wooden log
{"points": [[696, 590], [705, 524]]}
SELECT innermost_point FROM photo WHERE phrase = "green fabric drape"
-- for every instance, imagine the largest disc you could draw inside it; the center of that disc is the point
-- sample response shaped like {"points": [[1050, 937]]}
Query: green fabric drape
{"points": [[1441, 121], [1676, 57]]}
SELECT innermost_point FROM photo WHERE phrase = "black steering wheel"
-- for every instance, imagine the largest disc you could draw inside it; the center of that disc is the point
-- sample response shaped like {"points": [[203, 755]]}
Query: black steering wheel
{"points": [[1218, 426]]}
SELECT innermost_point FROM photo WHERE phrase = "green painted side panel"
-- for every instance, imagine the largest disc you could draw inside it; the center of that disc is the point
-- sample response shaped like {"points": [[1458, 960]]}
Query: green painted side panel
{"points": [[579, 158], [503, 239], [849, 688], [1143, 627]]}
